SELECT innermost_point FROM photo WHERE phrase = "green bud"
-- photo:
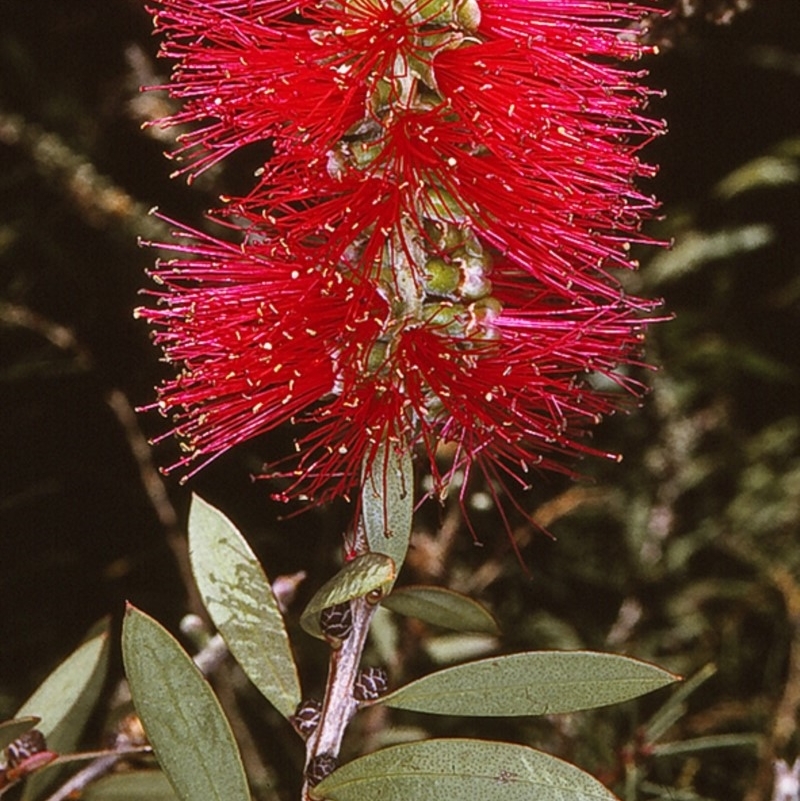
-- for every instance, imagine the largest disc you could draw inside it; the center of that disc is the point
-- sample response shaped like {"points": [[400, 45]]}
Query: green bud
{"points": [[483, 313], [451, 317], [364, 153], [376, 357], [441, 278], [431, 12], [468, 15], [439, 204], [474, 285], [475, 264], [381, 96]]}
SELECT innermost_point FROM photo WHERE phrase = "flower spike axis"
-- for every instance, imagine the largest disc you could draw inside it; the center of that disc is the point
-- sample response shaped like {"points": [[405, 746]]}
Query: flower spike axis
{"points": [[427, 254]]}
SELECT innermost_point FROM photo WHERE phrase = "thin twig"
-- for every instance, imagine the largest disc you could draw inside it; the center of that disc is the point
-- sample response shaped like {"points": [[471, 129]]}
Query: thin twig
{"points": [[99, 767], [83, 778]]}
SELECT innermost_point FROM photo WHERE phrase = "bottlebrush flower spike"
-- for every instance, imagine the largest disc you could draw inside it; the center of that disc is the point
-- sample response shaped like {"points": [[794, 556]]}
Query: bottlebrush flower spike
{"points": [[426, 256]]}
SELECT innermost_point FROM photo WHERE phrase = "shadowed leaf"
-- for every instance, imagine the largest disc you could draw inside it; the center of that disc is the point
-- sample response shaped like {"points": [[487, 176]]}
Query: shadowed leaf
{"points": [[532, 683], [450, 770], [183, 719], [65, 700], [442, 607], [240, 601]]}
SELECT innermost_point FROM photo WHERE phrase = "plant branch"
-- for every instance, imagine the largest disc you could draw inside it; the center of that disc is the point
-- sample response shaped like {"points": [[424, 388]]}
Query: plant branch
{"points": [[83, 778], [340, 706]]}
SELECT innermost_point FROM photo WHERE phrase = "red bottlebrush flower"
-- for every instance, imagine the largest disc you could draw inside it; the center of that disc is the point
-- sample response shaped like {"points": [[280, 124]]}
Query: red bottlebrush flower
{"points": [[426, 255]]}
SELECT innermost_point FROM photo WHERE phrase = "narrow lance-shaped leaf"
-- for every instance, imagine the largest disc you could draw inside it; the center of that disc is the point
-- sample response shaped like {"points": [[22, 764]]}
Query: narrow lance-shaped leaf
{"points": [[367, 573], [675, 706], [748, 740], [240, 601], [442, 607], [448, 770], [10, 730], [64, 701], [387, 502], [532, 683], [183, 719]]}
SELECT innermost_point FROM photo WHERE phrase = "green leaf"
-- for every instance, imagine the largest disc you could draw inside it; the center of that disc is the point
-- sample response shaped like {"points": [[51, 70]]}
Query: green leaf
{"points": [[675, 706], [444, 770], [384, 636], [240, 601], [142, 785], [65, 699], [370, 572], [184, 722], [387, 502], [532, 683], [442, 607], [712, 741], [10, 730]]}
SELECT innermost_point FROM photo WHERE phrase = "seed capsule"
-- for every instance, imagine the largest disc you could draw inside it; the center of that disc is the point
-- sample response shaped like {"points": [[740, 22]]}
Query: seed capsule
{"points": [[25, 756], [306, 717], [371, 683], [30, 743], [319, 767], [336, 621]]}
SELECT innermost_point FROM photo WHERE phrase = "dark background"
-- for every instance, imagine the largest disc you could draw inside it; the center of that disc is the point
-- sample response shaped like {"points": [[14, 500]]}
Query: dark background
{"points": [[685, 554]]}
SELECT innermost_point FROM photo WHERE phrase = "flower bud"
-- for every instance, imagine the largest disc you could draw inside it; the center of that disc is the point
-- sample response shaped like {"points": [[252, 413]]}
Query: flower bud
{"points": [[441, 278]]}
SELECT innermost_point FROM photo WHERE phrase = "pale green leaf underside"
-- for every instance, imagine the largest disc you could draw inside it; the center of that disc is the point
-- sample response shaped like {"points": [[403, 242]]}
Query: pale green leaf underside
{"points": [[532, 683], [141, 785], [442, 607], [10, 730], [64, 701], [184, 722], [240, 601], [456, 770], [387, 502], [65, 698], [361, 576]]}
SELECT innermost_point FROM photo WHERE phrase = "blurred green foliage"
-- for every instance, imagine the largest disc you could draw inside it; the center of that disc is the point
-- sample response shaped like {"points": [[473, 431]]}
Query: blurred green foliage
{"points": [[685, 554]]}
